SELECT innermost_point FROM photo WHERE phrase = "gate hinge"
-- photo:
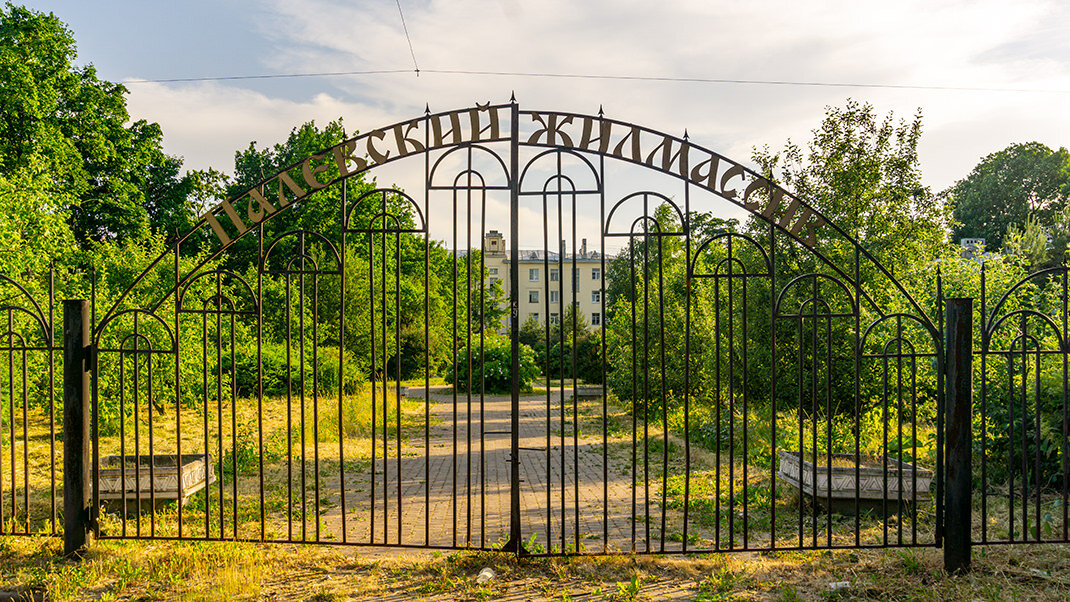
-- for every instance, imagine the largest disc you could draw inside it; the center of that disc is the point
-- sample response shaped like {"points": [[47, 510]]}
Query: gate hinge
{"points": [[87, 353]]}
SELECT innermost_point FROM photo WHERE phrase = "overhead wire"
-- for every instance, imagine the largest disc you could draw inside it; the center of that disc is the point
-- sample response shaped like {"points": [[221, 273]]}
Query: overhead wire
{"points": [[596, 76], [175, 80], [408, 38]]}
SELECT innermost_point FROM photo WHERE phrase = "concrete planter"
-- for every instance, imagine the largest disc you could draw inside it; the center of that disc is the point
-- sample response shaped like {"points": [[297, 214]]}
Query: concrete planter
{"points": [[138, 484], [589, 391], [874, 483]]}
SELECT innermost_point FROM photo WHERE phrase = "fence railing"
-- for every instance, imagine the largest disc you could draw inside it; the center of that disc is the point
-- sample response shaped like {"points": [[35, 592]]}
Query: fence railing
{"points": [[1006, 458]]}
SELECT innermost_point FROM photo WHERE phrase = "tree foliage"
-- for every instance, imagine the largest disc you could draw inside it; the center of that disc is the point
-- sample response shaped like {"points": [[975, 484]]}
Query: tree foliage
{"points": [[71, 134], [1008, 187], [862, 172]]}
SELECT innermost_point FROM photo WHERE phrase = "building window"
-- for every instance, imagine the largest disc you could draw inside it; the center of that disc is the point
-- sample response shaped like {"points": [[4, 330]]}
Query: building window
{"points": [[535, 316], [533, 296], [533, 274], [494, 271], [554, 297], [492, 281], [575, 273], [554, 319], [554, 275], [596, 273], [596, 319], [596, 296]]}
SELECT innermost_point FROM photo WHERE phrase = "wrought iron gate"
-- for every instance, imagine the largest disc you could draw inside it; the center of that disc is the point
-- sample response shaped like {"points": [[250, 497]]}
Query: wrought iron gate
{"points": [[543, 340], [705, 333]]}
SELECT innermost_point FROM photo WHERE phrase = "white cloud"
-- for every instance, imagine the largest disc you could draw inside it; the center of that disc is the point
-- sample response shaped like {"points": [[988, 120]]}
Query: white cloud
{"points": [[206, 123], [947, 43]]}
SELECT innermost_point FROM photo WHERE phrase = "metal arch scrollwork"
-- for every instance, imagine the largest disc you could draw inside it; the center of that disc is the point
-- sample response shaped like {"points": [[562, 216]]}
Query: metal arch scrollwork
{"points": [[562, 180], [302, 260], [1024, 401], [471, 153], [393, 206], [157, 326], [34, 311], [758, 256], [553, 162], [994, 316], [815, 299], [138, 340], [645, 220], [221, 299]]}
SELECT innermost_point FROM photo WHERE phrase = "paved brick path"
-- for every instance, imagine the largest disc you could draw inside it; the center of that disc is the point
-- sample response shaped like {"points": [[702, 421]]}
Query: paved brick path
{"points": [[469, 490]]}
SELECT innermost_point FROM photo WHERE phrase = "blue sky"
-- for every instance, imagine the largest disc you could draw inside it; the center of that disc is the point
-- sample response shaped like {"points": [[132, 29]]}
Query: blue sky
{"points": [[936, 43]]}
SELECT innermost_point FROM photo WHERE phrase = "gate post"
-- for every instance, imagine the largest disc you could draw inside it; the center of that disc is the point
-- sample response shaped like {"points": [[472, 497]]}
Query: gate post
{"points": [[514, 543], [958, 468], [76, 408]]}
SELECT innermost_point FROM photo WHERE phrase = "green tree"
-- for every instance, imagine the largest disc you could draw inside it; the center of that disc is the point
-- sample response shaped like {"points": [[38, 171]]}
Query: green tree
{"points": [[33, 222], [862, 172], [1028, 242], [565, 339], [491, 367], [176, 199], [1008, 187], [62, 120], [533, 335]]}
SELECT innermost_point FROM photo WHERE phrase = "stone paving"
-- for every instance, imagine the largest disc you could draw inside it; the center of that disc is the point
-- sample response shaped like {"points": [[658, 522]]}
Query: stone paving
{"points": [[569, 495]]}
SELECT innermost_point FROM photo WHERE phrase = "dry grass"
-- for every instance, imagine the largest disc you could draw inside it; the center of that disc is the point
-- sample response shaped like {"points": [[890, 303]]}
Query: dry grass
{"points": [[233, 571], [162, 570], [233, 439]]}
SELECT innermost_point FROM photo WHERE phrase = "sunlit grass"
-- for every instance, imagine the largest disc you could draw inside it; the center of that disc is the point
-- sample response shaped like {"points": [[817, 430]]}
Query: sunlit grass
{"points": [[141, 570]]}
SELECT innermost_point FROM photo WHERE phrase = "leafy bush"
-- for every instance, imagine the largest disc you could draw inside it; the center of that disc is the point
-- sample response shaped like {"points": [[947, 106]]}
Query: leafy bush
{"points": [[588, 358], [492, 367], [281, 374]]}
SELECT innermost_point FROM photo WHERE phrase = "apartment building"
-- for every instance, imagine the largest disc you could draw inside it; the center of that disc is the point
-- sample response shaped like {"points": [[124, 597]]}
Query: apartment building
{"points": [[549, 281]]}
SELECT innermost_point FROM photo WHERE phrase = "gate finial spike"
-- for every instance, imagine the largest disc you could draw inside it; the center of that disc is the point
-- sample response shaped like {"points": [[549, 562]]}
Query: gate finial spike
{"points": [[600, 111], [427, 108], [512, 97], [685, 134]]}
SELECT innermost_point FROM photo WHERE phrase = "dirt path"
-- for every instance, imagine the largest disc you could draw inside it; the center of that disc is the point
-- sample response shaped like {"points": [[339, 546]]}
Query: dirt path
{"points": [[572, 495]]}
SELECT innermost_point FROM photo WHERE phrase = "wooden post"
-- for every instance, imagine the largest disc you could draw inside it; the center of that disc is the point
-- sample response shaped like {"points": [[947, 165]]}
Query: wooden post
{"points": [[958, 492], [76, 408]]}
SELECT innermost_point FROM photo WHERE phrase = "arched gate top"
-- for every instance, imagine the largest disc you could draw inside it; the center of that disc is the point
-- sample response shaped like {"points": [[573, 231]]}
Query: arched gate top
{"points": [[486, 124]]}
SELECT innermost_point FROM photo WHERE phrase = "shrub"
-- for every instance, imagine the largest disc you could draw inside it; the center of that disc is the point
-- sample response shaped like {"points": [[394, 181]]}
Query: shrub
{"points": [[280, 372], [492, 367], [588, 358]]}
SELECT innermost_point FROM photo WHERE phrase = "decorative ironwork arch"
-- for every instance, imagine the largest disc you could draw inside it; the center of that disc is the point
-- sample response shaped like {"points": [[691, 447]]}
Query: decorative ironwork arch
{"points": [[578, 134], [558, 160]]}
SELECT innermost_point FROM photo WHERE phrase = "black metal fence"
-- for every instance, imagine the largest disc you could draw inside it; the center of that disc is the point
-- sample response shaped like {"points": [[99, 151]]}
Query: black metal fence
{"points": [[1021, 427], [404, 377], [30, 358]]}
